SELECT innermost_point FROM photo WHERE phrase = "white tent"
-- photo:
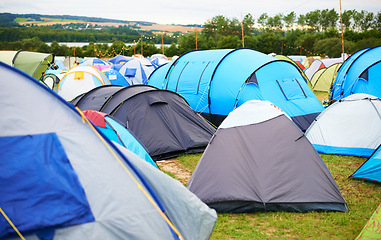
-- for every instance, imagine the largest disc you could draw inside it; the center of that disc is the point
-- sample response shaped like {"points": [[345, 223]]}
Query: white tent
{"points": [[351, 126]]}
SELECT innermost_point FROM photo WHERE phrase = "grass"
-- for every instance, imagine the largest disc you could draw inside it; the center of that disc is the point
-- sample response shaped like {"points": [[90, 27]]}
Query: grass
{"points": [[362, 197]]}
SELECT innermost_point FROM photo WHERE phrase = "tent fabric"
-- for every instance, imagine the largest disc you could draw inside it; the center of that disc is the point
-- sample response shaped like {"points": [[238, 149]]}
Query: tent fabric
{"points": [[161, 120], [119, 59], [370, 170], [115, 77], [372, 228], [264, 165], [164, 123], [107, 98], [95, 98], [93, 61], [215, 82], [43, 152], [351, 126], [32, 63], [117, 133], [136, 70], [351, 78], [80, 79], [116, 191], [323, 78]]}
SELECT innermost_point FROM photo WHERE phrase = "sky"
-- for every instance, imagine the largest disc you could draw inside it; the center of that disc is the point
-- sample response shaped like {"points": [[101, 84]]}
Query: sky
{"points": [[180, 11]]}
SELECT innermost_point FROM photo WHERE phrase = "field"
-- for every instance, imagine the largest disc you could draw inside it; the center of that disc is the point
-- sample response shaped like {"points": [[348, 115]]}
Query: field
{"points": [[153, 27], [362, 200]]}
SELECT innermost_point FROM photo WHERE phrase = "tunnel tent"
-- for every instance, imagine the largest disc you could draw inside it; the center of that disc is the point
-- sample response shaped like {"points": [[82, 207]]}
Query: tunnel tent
{"points": [[370, 170], [33, 63], [323, 78], [359, 74], [215, 82]]}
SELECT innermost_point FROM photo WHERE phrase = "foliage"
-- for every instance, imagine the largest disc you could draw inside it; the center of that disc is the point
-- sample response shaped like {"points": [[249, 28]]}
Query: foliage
{"points": [[315, 33]]}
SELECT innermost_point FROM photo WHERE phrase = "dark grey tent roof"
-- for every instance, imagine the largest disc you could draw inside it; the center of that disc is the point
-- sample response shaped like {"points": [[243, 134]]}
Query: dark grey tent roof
{"points": [[265, 165], [95, 98], [161, 120], [164, 123]]}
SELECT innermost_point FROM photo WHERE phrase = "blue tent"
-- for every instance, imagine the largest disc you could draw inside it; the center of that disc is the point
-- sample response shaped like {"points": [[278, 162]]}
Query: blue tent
{"points": [[215, 82], [359, 74], [118, 133], [371, 169], [115, 77], [119, 59]]}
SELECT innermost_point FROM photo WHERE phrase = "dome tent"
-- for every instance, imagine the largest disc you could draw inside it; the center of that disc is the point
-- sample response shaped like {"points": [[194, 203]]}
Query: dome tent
{"points": [[161, 120], [80, 79], [258, 160], [214, 82], [350, 126], [371, 169], [69, 182]]}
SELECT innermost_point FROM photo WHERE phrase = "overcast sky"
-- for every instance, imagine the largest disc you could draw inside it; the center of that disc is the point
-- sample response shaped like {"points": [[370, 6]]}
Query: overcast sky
{"points": [[180, 11]]}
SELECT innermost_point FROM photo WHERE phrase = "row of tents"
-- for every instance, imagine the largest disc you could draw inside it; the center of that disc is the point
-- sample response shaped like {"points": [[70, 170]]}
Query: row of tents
{"points": [[261, 109]]}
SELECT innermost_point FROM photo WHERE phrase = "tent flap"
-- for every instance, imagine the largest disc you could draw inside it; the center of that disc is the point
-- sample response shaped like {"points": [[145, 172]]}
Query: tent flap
{"points": [[37, 177]]}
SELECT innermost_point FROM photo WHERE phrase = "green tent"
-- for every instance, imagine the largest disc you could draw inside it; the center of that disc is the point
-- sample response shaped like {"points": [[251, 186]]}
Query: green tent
{"points": [[323, 78], [32, 63], [372, 229]]}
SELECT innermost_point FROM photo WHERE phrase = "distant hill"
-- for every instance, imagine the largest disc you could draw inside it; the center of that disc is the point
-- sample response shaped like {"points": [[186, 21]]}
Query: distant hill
{"points": [[46, 20]]}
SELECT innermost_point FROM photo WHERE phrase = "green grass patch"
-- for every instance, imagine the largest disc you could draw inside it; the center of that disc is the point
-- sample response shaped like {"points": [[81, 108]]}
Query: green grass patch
{"points": [[362, 197]]}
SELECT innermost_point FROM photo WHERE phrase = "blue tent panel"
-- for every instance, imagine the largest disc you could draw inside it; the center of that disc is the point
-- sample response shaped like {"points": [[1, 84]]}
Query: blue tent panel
{"points": [[130, 72], [371, 169], [37, 179], [359, 152]]}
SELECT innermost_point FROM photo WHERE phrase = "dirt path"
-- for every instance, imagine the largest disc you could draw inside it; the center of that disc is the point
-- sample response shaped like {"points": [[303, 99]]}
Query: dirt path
{"points": [[181, 173]]}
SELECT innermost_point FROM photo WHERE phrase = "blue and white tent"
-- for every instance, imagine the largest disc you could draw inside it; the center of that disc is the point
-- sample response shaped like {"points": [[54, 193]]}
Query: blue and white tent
{"points": [[93, 61], [136, 71], [371, 169], [116, 132], [60, 178], [360, 73], [119, 59], [115, 77], [215, 82], [350, 126]]}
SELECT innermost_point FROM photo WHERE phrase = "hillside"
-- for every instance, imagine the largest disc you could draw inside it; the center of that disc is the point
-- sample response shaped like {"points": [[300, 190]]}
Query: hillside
{"points": [[48, 20]]}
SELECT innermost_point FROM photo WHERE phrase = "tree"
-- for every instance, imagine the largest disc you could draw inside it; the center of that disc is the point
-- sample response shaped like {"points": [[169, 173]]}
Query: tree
{"points": [[248, 23], [313, 18], [346, 16], [289, 19], [329, 46], [263, 19], [302, 20], [377, 24]]}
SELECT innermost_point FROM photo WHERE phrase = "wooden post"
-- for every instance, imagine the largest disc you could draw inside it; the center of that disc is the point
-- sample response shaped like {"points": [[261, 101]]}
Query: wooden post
{"points": [[162, 42], [141, 41], [196, 36], [281, 50], [342, 32], [243, 38]]}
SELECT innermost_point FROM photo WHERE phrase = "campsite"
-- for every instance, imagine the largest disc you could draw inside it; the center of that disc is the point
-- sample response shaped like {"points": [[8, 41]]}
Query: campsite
{"points": [[224, 142]]}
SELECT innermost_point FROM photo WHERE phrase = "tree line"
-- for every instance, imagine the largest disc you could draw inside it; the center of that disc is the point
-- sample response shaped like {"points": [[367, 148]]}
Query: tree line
{"points": [[315, 33]]}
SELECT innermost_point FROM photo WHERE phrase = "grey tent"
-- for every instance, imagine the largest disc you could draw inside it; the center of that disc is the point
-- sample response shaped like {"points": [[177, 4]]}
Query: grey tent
{"points": [[62, 179], [161, 120], [258, 160]]}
